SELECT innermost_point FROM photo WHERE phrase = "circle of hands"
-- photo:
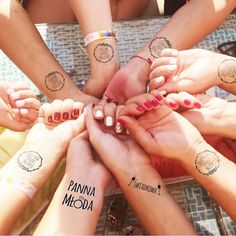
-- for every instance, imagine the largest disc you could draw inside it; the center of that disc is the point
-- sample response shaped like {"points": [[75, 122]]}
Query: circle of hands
{"points": [[127, 125]]}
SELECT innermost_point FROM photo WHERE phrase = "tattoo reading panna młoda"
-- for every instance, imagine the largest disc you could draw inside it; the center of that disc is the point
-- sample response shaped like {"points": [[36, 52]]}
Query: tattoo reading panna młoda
{"points": [[54, 81], [157, 45], [103, 52], [227, 71]]}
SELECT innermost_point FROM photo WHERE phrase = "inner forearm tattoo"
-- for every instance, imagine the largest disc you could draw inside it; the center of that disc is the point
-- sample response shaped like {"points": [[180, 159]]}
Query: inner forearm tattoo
{"points": [[227, 71], [54, 81], [103, 52], [29, 161], [207, 162], [157, 45], [83, 202]]}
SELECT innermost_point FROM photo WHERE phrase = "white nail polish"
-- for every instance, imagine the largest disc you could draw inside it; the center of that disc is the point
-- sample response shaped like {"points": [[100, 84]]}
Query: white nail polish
{"points": [[173, 61], [172, 68], [9, 91], [99, 114], [24, 111], [109, 121], [174, 52], [20, 103], [118, 128], [14, 96], [159, 79]]}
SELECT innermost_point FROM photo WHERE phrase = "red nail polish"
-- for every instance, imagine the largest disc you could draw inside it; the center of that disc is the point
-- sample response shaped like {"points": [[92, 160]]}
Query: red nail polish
{"points": [[121, 121], [172, 104], [148, 104], [50, 119], [187, 102], [57, 116], [155, 103], [140, 108], [197, 105], [159, 97], [65, 116], [76, 112]]}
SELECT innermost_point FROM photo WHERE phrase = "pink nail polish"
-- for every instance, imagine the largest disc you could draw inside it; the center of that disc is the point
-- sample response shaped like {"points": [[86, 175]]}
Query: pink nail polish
{"points": [[187, 102], [57, 116], [148, 104], [121, 121], [76, 112], [197, 105], [50, 119], [65, 116], [172, 104], [159, 97], [140, 108], [155, 103]]}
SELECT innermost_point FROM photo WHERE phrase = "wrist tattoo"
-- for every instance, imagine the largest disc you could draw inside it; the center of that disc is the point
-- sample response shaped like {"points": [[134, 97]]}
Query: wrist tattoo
{"points": [[157, 45], [207, 162], [227, 71], [82, 202], [103, 52], [54, 81], [29, 161], [135, 184]]}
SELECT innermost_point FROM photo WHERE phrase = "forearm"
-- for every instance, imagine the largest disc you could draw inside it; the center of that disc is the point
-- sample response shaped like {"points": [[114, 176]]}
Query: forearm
{"points": [[149, 206], [216, 173], [180, 31], [73, 211], [22, 43]]}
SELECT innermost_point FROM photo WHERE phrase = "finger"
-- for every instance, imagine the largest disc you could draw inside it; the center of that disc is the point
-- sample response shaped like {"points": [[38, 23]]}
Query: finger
{"points": [[169, 52], [56, 107], [156, 82], [12, 87], [22, 94], [78, 108], [109, 113], [171, 103], [166, 70], [30, 114], [98, 112], [161, 61], [46, 113], [66, 110], [28, 103]]}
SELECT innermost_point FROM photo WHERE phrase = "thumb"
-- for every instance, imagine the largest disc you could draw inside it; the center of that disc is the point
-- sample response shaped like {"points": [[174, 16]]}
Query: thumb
{"points": [[138, 133]]}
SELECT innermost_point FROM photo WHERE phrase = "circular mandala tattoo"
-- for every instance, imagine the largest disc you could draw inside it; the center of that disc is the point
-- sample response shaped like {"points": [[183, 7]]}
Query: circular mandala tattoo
{"points": [[207, 162], [103, 52], [54, 81], [227, 71], [157, 45], [29, 161]]}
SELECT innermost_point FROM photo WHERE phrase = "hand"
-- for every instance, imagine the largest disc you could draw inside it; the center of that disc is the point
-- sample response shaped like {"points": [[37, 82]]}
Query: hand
{"points": [[192, 71], [18, 106]]}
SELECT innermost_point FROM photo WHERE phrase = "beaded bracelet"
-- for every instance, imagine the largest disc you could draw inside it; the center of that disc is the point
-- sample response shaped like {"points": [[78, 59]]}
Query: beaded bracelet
{"points": [[21, 185], [148, 60], [94, 36]]}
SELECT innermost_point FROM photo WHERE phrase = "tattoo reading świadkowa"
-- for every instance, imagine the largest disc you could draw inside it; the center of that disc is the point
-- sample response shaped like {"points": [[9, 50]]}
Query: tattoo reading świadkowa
{"points": [[207, 162], [29, 161], [103, 52], [54, 81], [227, 71], [157, 45]]}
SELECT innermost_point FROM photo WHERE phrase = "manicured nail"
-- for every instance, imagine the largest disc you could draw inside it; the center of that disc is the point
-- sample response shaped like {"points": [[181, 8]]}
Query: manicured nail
{"points": [[159, 79], [57, 116], [187, 102], [174, 52], [173, 104], [155, 103], [76, 112], [140, 108], [20, 103], [122, 122], [50, 119], [24, 111], [159, 97], [197, 105], [148, 104], [171, 68], [118, 128], [173, 61], [109, 121], [15, 96], [9, 91], [127, 131], [65, 116], [99, 114]]}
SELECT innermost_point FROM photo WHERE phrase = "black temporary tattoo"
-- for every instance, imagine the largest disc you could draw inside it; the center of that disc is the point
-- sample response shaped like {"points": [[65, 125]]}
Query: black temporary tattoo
{"points": [[207, 162], [29, 161], [103, 52], [54, 81], [79, 202], [227, 71], [157, 45], [134, 183]]}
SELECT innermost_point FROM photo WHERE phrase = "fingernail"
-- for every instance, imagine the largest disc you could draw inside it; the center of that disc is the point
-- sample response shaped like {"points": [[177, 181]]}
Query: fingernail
{"points": [[159, 79], [159, 97], [140, 108], [9, 91], [118, 128], [148, 104], [20, 103], [14, 96], [65, 116], [163, 92], [127, 131], [57, 116], [173, 104], [187, 102], [24, 111], [50, 119], [173, 61], [122, 122], [109, 121], [197, 105], [99, 114], [76, 112], [155, 103], [174, 52], [171, 68]]}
